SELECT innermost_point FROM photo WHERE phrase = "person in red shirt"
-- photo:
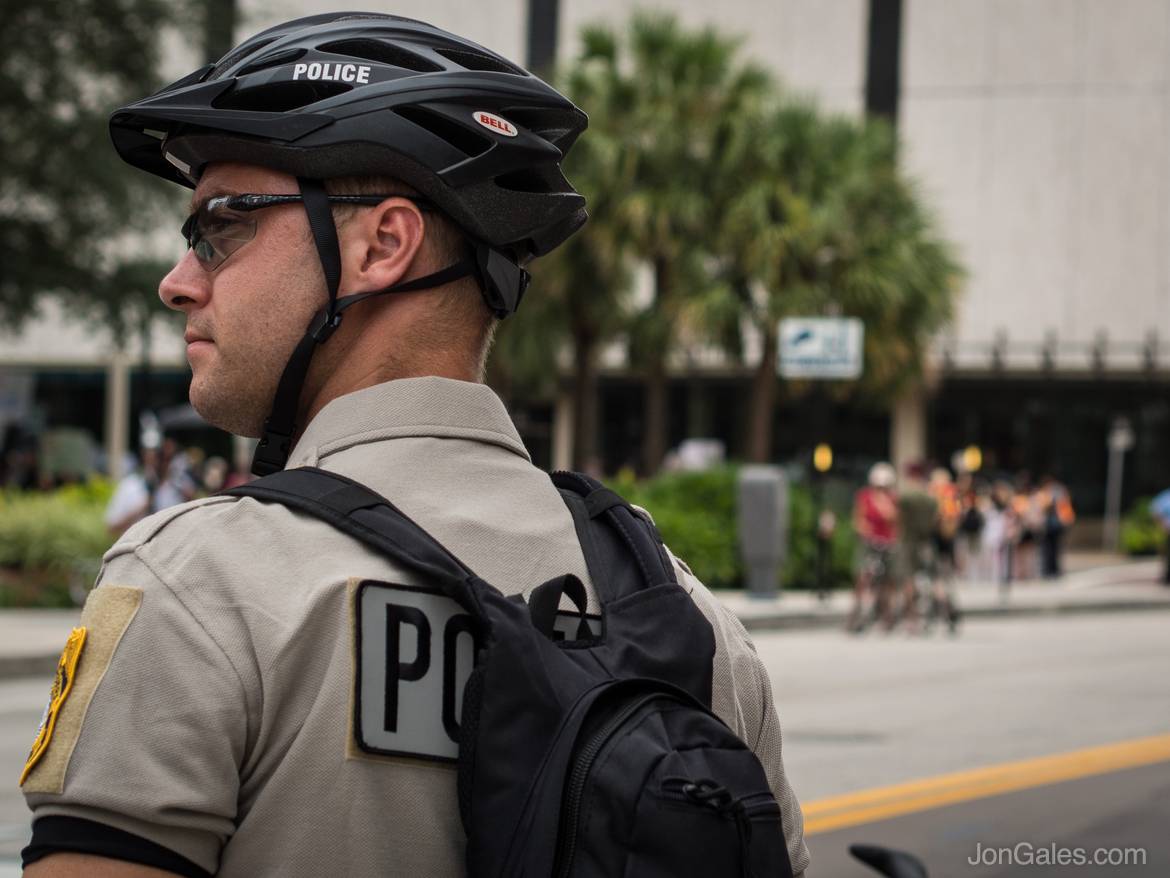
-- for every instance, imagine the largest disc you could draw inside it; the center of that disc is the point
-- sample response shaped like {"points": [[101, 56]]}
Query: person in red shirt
{"points": [[875, 518]]}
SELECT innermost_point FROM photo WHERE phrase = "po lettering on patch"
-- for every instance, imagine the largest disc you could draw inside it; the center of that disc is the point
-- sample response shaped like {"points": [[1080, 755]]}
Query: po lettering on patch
{"points": [[414, 649]]}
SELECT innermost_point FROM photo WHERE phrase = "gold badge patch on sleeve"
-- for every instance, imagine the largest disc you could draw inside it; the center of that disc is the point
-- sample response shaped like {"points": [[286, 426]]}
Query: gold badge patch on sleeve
{"points": [[62, 686], [108, 611]]}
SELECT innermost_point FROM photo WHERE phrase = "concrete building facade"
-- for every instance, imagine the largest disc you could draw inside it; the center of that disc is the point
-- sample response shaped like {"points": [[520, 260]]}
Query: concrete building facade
{"points": [[1039, 131]]}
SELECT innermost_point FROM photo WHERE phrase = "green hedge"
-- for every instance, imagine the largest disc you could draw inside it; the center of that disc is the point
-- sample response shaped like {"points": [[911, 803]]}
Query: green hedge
{"points": [[51, 543], [1141, 534], [696, 514]]}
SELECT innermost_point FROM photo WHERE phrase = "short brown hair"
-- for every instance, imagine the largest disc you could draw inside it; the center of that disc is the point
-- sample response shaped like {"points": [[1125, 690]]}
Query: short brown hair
{"points": [[460, 309]]}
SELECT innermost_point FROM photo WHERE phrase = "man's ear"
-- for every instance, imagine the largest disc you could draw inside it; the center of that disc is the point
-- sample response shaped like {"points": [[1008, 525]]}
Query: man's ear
{"points": [[380, 245]]}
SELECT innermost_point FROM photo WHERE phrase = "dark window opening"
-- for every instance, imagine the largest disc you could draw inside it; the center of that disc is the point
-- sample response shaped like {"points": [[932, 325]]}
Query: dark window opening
{"points": [[882, 74]]}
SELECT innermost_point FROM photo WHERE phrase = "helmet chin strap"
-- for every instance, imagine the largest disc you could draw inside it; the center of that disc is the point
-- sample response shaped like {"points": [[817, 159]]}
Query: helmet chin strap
{"points": [[502, 281]]}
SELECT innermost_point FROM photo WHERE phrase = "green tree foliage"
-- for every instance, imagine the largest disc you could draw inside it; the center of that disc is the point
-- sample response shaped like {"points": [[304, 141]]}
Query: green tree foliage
{"points": [[816, 218], [745, 204], [578, 299], [66, 199], [684, 92]]}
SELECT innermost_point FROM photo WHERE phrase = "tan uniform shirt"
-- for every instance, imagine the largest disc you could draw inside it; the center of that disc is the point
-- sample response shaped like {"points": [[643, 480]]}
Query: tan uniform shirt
{"points": [[210, 712]]}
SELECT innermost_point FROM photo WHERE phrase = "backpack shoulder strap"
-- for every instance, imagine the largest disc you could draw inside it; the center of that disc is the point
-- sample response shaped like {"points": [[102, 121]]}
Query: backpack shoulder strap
{"points": [[611, 533], [367, 516]]}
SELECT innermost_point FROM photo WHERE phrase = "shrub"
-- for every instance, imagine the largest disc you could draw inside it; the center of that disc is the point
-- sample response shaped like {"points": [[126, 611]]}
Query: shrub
{"points": [[1141, 534], [696, 514], [51, 544]]}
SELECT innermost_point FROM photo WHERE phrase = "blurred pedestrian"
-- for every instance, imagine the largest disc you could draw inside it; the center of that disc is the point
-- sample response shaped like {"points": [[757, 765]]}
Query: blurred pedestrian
{"points": [[1029, 518], [18, 460], [826, 527], [875, 518], [917, 519], [1000, 533], [176, 484], [215, 473], [1160, 507], [971, 523], [133, 497], [1059, 516], [950, 511]]}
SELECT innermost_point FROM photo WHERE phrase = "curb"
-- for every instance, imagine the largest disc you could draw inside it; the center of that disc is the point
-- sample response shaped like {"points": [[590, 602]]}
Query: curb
{"points": [[836, 618], [15, 666]]}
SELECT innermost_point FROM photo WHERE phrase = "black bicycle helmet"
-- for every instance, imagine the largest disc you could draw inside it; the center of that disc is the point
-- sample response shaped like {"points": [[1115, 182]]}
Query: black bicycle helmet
{"points": [[365, 94], [352, 93]]}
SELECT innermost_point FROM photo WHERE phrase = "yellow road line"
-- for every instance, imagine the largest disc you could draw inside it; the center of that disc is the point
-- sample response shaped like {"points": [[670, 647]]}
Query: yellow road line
{"points": [[866, 806]]}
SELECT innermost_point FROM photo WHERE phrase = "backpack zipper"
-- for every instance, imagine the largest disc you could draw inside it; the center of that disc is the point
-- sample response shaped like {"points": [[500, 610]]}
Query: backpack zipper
{"points": [[683, 789], [581, 767]]}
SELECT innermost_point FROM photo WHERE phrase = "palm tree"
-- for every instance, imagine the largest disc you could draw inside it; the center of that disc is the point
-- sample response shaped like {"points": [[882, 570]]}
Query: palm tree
{"points": [[816, 218], [684, 89]]}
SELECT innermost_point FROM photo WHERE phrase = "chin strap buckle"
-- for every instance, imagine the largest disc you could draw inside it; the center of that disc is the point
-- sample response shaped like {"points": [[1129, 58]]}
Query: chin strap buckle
{"points": [[502, 280], [271, 452], [328, 324]]}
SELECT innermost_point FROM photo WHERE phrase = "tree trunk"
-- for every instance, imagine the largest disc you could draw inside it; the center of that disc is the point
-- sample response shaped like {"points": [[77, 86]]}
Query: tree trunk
{"points": [[655, 427], [654, 439], [585, 405], [763, 401]]}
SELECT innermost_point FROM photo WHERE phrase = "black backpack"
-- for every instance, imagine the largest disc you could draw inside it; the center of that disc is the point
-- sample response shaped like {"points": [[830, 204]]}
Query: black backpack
{"points": [[594, 755]]}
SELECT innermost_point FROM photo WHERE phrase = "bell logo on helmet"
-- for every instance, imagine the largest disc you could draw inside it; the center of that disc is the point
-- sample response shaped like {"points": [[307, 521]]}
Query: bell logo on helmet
{"points": [[495, 123], [333, 72]]}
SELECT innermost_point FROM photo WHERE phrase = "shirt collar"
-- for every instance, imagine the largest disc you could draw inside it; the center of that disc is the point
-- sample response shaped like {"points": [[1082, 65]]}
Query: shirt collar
{"points": [[429, 406]]}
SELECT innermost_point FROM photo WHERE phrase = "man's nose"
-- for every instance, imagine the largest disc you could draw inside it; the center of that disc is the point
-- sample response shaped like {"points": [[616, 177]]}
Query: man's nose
{"points": [[186, 286]]}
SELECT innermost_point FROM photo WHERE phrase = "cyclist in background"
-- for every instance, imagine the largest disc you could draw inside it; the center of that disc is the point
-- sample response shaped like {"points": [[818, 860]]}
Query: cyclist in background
{"points": [[875, 518]]}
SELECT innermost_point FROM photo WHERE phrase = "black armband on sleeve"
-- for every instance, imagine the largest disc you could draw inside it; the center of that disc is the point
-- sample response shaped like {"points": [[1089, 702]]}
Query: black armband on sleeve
{"points": [[75, 835]]}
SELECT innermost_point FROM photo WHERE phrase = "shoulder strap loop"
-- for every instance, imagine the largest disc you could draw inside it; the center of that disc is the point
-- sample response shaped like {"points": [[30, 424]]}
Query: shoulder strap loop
{"points": [[610, 532], [601, 500]]}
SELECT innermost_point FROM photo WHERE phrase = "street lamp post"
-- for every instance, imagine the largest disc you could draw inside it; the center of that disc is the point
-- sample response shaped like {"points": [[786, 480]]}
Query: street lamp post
{"points": [[1120, 440]]}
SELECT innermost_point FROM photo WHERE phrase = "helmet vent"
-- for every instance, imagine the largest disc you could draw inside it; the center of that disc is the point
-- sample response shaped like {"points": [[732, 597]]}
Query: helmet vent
{"points": [[526, 180], [233, 58], [385, 53], [477, 61], [273, 60], [463, 139], [280, 97]]}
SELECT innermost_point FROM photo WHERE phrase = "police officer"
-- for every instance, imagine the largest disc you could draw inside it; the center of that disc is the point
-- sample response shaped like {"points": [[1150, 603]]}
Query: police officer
{"points": [[381, 182]]}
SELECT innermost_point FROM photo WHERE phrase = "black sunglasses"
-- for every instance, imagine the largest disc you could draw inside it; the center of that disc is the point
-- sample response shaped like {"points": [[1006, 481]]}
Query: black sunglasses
{"points": [[214, 233]]}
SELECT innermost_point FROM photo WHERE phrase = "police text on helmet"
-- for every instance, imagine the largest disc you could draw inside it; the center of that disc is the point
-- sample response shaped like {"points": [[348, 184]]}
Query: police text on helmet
{"points": [[333, 72]]}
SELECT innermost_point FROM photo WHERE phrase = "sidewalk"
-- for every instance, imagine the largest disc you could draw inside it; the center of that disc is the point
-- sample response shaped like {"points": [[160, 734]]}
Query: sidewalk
{"points": [[31, 640], [1117, 584]]}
